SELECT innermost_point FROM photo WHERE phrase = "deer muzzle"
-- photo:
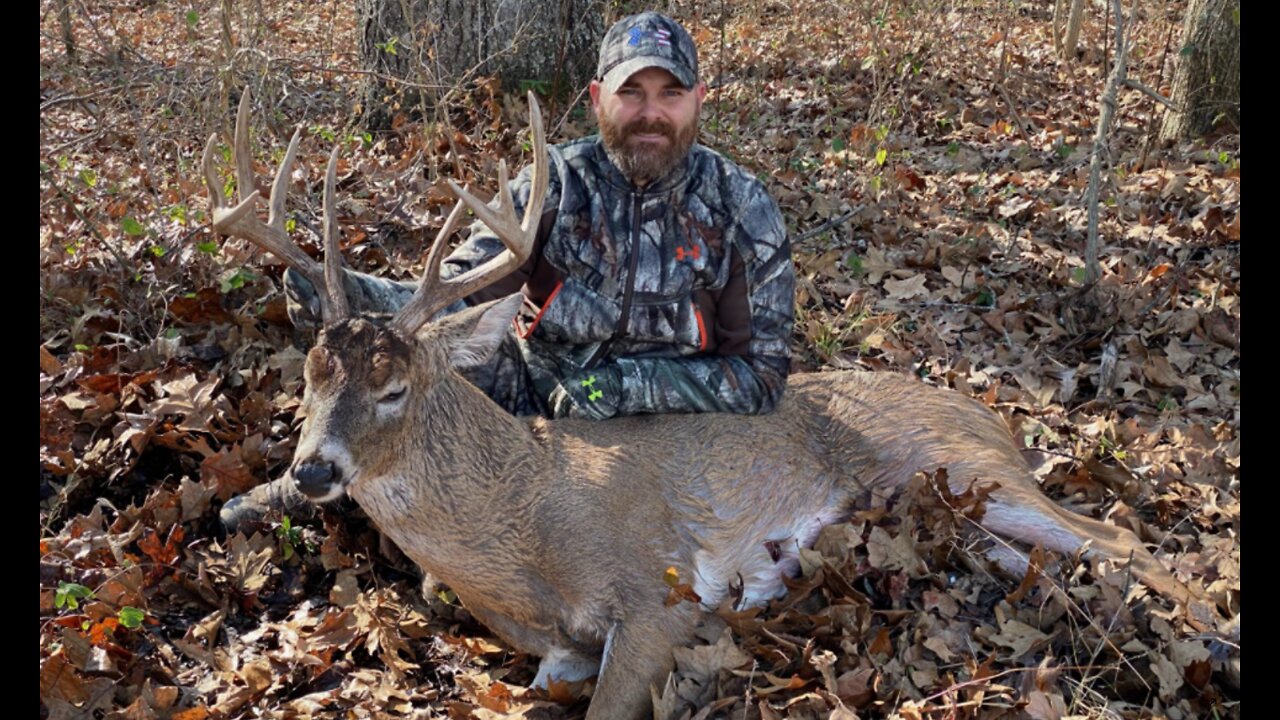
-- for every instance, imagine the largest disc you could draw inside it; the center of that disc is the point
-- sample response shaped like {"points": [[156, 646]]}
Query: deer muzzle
{"points": [[319, 480]]}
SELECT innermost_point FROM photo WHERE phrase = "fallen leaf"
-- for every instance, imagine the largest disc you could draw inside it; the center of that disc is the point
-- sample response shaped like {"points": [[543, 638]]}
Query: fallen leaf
{"points": [[908, 288]]}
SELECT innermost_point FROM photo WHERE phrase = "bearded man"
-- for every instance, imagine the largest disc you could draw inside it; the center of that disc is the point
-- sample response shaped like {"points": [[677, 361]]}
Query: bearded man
{"points": [[661, 280]]}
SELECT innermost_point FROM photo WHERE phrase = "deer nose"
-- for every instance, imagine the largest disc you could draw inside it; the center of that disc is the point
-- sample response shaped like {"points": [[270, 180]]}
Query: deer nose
{"points": [[316, 478]]}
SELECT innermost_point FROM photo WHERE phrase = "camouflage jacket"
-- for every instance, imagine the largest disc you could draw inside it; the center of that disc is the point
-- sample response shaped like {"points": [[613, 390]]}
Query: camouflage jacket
{"points": [[678, 296]]}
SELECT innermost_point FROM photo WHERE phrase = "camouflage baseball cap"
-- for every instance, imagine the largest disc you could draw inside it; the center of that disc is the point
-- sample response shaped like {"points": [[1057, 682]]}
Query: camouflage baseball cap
{"points": [[646, 40]]}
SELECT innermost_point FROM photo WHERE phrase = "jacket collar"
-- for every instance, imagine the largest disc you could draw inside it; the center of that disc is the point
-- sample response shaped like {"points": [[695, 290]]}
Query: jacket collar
{"points": [[672, 180]]}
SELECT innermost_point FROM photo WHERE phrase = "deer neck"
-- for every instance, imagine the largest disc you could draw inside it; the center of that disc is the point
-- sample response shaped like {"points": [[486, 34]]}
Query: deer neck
{"points": [[465, 455]]}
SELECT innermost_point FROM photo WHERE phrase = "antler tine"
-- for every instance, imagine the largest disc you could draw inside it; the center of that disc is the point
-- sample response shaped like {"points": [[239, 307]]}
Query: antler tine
{"points": [[240, 221], [243, 160], [517, 235], [332, 256]]}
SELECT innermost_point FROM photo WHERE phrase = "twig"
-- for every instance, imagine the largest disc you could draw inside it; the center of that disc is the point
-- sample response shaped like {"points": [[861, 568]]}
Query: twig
{"points": [[113, 90], [1017, 119], [1130, 82], [833, 222], [568, 111], [938, 304], [1093, 269]]}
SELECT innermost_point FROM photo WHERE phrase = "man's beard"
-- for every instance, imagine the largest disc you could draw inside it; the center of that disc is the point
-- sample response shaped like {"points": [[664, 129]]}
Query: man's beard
{"points": [[644, 162]]}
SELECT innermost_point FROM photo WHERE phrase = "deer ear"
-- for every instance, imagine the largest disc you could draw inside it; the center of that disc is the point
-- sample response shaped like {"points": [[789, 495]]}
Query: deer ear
{"points": [[473, 335]]}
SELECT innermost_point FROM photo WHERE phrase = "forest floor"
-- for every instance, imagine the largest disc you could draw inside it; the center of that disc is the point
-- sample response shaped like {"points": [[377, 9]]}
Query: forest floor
{"points": [[931, 161]]}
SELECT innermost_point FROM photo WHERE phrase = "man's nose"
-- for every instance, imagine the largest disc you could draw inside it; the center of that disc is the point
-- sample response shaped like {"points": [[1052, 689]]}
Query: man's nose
{"points": [[649, 110]]}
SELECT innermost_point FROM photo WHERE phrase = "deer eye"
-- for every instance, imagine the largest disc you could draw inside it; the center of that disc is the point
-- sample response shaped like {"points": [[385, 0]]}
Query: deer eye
{"points": [[393, 396]]}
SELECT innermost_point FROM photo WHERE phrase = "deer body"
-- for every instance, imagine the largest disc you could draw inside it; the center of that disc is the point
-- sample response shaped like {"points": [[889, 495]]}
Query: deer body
{"points": [[557, 534]]}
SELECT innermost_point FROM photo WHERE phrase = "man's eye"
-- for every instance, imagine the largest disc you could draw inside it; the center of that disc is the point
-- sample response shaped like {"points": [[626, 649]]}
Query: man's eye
{"points": [[393, 396]]}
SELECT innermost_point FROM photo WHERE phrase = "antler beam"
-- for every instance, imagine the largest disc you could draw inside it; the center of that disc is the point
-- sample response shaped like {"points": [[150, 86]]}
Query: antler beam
{"points": [[517, 235]]}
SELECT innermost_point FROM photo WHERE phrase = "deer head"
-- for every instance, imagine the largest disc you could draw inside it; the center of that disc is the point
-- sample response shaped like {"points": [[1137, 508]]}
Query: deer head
{"points": [[364, 379]]}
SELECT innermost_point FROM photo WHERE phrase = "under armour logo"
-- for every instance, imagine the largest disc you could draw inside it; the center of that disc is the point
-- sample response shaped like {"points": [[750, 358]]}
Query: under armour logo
{"points": [[693, 252], [594, 394]]}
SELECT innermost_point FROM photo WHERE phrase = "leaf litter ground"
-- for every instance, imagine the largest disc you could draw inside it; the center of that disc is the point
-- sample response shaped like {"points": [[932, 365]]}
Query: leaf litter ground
{"points": [[930, 159]]}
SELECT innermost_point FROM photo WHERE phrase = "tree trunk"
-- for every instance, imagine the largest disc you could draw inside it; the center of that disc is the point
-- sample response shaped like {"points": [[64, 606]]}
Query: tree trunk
{"points": [[418, 49], [1206, 74], [1066, 27], [68, 40]]}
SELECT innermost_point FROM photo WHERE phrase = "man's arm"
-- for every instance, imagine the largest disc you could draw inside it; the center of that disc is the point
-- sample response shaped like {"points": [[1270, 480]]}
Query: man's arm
{"points": [[755, 315]]}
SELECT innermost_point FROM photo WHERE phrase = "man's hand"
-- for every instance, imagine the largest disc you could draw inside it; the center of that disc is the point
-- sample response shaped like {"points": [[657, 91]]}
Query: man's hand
{"points": [[590, 394]]}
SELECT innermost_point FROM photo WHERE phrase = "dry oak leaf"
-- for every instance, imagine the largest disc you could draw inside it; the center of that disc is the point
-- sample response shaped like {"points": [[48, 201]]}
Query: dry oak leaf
{"points": [[908, 288], [706, 661], [227, 473], [894, 553], [1018, 636]]}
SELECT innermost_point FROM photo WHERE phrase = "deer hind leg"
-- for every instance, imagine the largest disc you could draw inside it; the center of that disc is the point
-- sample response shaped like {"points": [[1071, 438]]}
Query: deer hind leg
{"points": [[563, 658], [1031, 518], [638, 655]]}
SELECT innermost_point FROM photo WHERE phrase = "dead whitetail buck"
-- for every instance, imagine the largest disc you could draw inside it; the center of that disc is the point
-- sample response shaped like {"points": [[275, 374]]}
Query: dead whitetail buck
{"points": [[556, 534]]}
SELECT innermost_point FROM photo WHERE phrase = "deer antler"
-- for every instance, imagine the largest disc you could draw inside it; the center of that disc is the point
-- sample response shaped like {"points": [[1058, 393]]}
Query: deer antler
{"points": [[240, 221], [517, 235]]}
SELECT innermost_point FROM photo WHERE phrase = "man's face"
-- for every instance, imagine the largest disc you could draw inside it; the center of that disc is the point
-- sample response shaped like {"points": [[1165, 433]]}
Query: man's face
{"points": [[649, 124]]}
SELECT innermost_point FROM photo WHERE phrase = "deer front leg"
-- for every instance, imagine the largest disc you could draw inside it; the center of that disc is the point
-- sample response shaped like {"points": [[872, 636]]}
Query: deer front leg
{"points": [[279, 495], [637, 655], [563, 658]]}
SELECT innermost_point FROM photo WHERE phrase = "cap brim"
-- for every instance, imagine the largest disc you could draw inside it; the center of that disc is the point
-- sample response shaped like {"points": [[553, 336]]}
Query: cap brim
{"points": [[619, 74]]}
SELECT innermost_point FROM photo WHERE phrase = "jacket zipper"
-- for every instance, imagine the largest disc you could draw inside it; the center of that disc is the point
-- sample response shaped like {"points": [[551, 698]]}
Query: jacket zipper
{"points": [[625, 320]]}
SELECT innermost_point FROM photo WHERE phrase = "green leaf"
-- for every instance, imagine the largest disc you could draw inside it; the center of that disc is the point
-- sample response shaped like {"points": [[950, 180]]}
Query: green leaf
{"points": [[207, 247], [1079, 274], [131, 617], [388, 47], [290, 224], [986, 297], [63, 162], [158, 251], [89, 177], [81, 347], [171, 333], [854, 263], [132, 227], [1224, 158], [838, 144], [70, 595], [881, 156], [235, 280], [193, 17], [177, 213]]}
